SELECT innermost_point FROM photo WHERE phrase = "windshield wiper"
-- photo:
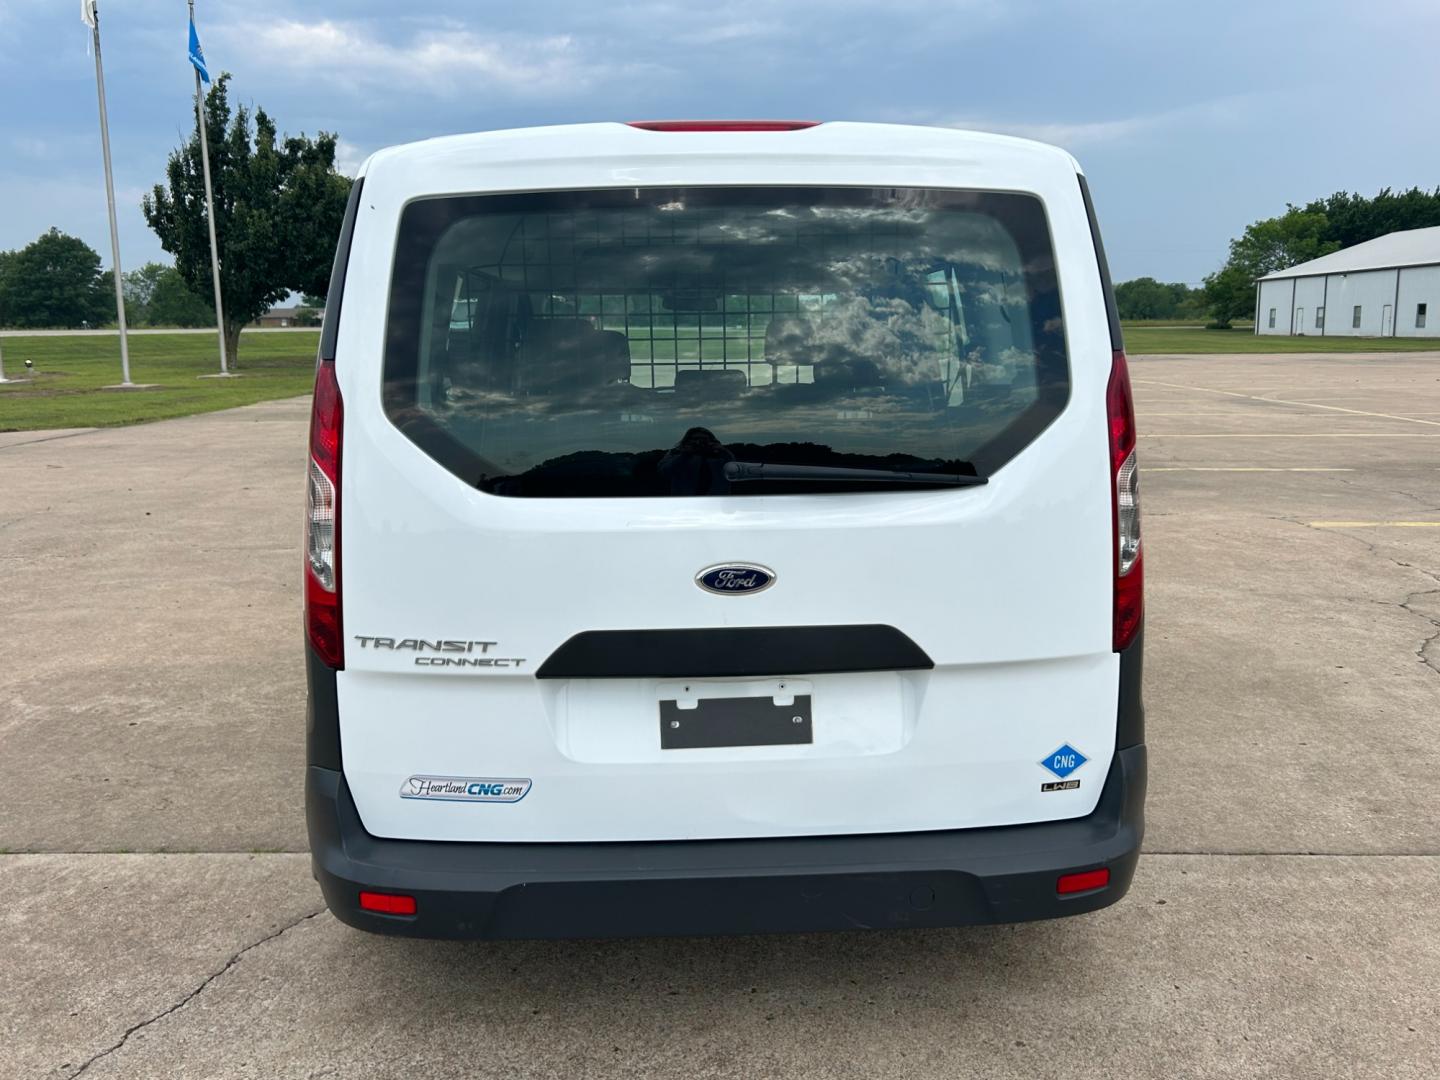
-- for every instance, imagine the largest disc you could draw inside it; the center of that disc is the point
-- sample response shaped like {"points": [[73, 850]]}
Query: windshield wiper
{"points": [[742, 471]]}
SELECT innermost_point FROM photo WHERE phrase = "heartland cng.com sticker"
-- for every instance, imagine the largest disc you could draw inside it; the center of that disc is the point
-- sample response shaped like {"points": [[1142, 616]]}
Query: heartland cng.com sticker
{"points": [[481, 789]]}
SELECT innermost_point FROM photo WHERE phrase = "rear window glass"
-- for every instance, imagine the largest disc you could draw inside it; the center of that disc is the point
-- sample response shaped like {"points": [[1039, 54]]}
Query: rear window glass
{"points": [[631, 342]]}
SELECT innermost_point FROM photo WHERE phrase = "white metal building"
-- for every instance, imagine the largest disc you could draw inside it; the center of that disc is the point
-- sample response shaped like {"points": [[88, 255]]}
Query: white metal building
{"points": [[1386, 287]]}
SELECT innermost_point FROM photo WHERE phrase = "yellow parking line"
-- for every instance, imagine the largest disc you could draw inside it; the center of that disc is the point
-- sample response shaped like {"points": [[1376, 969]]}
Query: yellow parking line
{"points": [[1290, 435], [1374, 524], [1146, 414], [1284, 401], [1234, 468]]}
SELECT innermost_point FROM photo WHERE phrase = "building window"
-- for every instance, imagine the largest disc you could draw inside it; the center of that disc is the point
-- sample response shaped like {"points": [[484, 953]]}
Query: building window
{"points": [[1419, 316], [1355, 318], [1272, 318], [1319, 318]]}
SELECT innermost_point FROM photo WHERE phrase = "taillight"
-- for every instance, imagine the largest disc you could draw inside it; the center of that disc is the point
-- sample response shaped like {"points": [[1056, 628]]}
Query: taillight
{"points": [[1125, 505], [723, 125], [322, 521]]}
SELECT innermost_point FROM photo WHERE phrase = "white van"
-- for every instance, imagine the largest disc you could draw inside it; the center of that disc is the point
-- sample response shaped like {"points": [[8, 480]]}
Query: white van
{"points": [[721, 527]]}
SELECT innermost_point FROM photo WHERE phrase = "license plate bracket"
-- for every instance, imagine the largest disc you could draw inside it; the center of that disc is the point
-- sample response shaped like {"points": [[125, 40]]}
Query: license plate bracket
{"points": [[735, 721]]}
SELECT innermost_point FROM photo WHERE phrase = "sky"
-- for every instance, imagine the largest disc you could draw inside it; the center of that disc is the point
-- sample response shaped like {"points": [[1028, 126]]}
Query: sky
{"points": [[1190, 119]]}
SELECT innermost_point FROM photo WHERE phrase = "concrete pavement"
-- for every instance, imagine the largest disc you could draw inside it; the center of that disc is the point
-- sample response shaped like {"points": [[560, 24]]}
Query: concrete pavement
{"points": [[1283, 924], [1213, 966], [151, 668]]}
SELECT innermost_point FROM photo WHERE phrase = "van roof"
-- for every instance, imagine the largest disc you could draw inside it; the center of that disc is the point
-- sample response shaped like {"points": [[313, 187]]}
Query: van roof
{"points": [[607, 145]]}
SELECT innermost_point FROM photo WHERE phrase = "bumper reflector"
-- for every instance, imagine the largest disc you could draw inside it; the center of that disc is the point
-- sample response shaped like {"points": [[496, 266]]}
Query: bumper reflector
{"points": [[1083, 882], [387, 903]]}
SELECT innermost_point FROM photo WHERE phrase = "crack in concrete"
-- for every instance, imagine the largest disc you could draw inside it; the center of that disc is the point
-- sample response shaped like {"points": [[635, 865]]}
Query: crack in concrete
{"points": [[1423, 650], [51, 438], [1370, 487], [193, 994]]}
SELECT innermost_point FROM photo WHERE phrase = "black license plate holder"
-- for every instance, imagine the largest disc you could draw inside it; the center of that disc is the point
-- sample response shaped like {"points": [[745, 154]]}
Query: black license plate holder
{"points": [[735, 721]]}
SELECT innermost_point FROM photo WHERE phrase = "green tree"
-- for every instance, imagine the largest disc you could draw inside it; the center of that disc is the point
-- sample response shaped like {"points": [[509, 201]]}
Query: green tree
{"points": [[1353, 218], [1272, 244], [278, 207], [55, 281], [174, 303], [1276, 243], [7, 259], [1145, 298], [156, 295], [1229, 295], [139, 288], [1320, 227], [1189, 303]]}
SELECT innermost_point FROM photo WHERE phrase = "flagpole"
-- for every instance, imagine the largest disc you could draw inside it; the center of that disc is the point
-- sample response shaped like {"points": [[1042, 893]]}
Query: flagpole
{"points": [[110, 198], [209, 208]]}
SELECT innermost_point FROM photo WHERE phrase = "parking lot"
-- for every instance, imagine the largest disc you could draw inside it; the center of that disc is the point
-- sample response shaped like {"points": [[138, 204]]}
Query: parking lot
{"points": [[157, 917]]}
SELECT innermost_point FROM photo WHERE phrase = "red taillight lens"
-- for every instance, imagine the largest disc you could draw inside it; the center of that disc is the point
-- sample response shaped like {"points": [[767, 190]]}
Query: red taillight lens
{"points": [[723, 125], [387, 903], [1125, 505], [1082, 882], [322, 522]]}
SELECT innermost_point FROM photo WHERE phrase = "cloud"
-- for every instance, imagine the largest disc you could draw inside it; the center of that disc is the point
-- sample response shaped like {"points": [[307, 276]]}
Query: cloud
{"points": [[726, 31], [447, 62], [1084, 133], [35, 147], [348, 157]]}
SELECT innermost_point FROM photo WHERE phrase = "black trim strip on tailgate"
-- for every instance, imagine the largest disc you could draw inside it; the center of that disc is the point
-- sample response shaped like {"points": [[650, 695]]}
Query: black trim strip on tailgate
{"points": [[330, 327], [1112, 310], [733, 651], [1130, 721], [322, 712]]}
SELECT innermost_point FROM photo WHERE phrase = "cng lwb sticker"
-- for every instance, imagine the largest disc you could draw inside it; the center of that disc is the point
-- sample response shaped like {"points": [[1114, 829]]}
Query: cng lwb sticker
{"points": [[1064, 760]]}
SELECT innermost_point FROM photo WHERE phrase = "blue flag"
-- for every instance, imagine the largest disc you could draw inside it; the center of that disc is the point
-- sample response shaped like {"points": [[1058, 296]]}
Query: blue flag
{"points": [[197, 54]]}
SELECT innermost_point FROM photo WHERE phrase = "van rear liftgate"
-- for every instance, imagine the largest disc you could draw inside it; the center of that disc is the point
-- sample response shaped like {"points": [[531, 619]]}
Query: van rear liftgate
{"points": [[745, 530]]}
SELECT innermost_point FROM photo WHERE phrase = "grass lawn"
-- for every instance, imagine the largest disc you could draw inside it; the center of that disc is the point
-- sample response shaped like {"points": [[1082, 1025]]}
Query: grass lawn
{"points": [[1142, 338], [65, 390], [1189, 324], [70, 370]]}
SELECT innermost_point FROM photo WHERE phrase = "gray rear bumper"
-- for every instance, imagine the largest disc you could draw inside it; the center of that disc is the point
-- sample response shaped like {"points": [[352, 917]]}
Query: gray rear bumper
{"points": [[921, 879]]}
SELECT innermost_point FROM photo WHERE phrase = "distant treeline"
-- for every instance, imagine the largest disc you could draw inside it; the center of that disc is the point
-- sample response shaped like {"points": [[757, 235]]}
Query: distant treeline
{"points": [[278, 206], [1300, 234], [56, 282], [1146, 298], [1306, 232]]}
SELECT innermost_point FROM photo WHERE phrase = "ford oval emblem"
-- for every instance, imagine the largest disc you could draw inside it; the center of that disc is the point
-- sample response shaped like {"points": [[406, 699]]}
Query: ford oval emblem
{"points": [[735, 579]]}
